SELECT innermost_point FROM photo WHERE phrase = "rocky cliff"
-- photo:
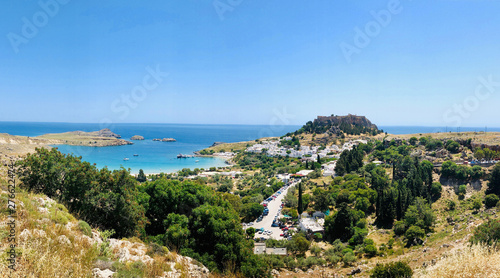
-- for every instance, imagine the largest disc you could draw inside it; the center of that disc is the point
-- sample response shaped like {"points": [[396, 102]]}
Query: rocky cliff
{"points": [[349, 119]]}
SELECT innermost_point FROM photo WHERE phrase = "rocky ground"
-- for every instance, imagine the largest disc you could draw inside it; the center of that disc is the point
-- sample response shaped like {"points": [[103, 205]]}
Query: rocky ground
{"points": [[14, 146]]}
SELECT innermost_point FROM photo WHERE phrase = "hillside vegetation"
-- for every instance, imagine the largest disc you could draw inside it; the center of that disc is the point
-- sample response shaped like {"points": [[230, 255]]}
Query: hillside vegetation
{"points": [[400, 206]]}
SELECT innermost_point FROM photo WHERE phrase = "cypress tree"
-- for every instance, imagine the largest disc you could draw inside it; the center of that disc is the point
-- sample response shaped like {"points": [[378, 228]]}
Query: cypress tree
{"points": [[141, 177], [300, 208], [399, 206]]}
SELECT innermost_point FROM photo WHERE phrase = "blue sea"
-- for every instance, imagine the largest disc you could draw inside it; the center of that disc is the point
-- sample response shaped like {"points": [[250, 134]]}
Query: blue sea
{"points": [[434, 129], [156, 157]]}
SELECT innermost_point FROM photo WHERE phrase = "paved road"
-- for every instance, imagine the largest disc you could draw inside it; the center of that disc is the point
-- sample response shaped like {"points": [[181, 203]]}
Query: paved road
{"points": [[267, 221]]}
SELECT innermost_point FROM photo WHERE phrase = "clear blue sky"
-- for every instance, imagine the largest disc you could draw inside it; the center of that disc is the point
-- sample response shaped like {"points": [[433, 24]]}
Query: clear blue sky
{"points": [[250, 63]]}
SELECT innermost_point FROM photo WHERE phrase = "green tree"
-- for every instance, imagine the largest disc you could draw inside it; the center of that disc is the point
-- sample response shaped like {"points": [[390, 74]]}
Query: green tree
{"points": [[413, 141], [462, 189], [414, 234], [452, 146], [300, 207], [107, 200], [476, 204], [112, 203], [494, 181], [322, 199], [436, 189], [255, 267], [251, 211], [341, 224], [141, 177], [300, 243], [399, 228], [385, 206], [216, 235], [420, 214], [177, 230], [491, 200], [349, 161], [479, 154], [370, 250], [250, 232], [290, 200]]}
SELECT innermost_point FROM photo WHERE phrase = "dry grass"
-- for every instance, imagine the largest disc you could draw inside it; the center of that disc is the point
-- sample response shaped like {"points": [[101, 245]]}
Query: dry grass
{"points": [[476, 261], [45, 256], [490, 138], [42, 253]]}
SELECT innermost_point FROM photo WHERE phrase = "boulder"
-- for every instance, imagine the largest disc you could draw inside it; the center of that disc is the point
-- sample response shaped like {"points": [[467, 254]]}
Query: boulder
{"points": [[97, 273], [64, 240]]}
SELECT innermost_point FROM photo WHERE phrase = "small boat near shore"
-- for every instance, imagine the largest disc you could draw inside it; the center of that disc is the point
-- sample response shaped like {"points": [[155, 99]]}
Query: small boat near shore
{"points": [[184, 155], [126, 159]]}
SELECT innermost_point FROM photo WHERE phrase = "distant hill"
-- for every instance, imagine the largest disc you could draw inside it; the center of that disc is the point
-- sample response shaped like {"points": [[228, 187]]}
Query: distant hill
{"points": [[339, 125]]}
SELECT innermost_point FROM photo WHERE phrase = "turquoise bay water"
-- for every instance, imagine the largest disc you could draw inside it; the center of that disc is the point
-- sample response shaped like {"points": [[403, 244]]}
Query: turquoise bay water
{"points": [[155, 157]]}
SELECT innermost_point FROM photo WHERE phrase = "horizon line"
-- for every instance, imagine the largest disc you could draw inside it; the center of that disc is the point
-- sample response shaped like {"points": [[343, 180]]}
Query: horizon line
{"points": [[378, 125]]}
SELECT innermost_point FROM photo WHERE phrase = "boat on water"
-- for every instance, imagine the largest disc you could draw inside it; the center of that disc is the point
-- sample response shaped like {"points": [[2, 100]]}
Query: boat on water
{"points": [[184, 155], [136, 155], [126, 158], [197, 161]]}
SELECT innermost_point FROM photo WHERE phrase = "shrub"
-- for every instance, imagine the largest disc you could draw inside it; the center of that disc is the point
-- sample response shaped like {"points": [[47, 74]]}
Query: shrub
{"points": [[371, 250], [452, 146], [436, 189], [462, 189], [129, 270], [399, 228], [349, 258], [491, 200], [290, 262], [414, 234], [477, 204], [315, 250], [312, 261], [333, 259], [85, 228], [392, 270], [451, 205], [255, 266], [488, 232], [390, 243]]}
